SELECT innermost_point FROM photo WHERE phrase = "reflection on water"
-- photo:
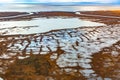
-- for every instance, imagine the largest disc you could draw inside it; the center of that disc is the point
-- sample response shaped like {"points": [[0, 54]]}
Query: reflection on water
{"points": [[40, 25]]}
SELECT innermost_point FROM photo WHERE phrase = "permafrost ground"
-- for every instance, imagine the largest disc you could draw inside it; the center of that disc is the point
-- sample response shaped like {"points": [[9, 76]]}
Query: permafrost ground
{"points": [[84, 53], [72, 49]]}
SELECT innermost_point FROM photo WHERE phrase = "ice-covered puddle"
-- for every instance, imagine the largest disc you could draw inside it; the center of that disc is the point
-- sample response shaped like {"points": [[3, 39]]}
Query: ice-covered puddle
{"points": [[39, 25]]}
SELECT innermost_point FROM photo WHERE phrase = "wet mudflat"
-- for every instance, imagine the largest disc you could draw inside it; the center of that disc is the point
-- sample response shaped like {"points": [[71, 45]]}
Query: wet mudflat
{"points": [[83, 53]]}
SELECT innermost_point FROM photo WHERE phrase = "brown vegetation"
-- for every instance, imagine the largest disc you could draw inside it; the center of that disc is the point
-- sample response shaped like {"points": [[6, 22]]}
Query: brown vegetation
{"points": [[106, 62], [6, 14], [37, 67], [42, 67]]}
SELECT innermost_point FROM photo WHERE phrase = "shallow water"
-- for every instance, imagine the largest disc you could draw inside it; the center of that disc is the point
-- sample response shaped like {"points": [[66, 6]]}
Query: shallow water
{"points": [[39, 25]]}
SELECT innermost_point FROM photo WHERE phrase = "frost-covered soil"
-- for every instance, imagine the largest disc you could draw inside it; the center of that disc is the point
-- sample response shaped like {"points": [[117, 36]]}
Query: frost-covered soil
{"points": [[86, 40], [72, 49], [91, 52]]}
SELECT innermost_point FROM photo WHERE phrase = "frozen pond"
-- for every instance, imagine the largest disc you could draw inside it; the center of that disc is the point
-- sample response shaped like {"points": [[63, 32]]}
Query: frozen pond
{"points": [[40, 25]]}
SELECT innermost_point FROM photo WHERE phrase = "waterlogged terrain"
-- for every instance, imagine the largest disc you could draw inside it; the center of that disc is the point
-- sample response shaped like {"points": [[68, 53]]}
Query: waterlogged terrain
{"points": [[75, 51]]}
